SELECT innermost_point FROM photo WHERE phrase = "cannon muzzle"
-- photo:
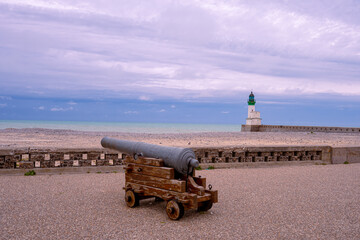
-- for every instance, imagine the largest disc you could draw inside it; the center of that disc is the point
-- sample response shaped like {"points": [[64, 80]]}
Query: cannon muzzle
{"points": [[183, 160]]}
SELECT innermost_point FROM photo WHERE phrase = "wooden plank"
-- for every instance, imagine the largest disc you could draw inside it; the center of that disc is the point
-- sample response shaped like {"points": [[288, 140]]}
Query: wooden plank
{"points": [[206, 197], [189, 200], [145, 161], [168, 184], [200, 181], [214, 195], [161, 172], [194, 188]]}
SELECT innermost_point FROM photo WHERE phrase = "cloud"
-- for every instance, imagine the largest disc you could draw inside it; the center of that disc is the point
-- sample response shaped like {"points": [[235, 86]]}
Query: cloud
{"points": [[131, 112], [5, 98], [148, 68], [2, 105], [72, 103], [162, 110], [173, 106], [42, 4], [225, 112], [60, 109], [188, 50], [145, 98], [41, 108], [279, 102]]}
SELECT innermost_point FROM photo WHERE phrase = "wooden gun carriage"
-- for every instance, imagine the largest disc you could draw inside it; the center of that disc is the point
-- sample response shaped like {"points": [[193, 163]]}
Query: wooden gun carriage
{"points": [[148, 177], [163, 172]]}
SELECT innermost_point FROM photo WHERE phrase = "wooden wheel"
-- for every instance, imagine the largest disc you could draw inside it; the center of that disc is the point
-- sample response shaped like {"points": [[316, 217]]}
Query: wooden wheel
{"points": [[204, 206], [131, 199], [174, 210]]}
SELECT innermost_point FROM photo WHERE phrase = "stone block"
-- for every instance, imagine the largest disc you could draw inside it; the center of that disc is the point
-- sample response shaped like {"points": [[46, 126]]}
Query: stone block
{"points": [[111, 162], [112, 156], [305, 158], [84, 156], [102, 163], [276, 154], [66, 156], [252, 154], [2, 161], [57, 163], [311, 153], [241, 159], [227, 154], [47, 157], [271, 158], [93, 155], [26, 164], [259, 159], [241, 154], [76, 163], [37, 164], [353, 154], [77, 156], [25, 157], [47, 164], [234, 154], [102, 156], [93, 162], [284, 158], [289, 154], [300, 153], [265, 154], [37, 157]]}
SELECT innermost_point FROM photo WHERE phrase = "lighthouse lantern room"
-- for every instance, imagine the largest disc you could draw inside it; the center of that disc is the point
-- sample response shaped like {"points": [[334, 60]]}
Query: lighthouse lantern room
{"points": [[253, 116]]}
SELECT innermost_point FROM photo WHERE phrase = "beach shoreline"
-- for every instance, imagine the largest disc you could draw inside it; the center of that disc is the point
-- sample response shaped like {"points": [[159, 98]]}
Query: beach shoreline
{"points": [[12, 138]]}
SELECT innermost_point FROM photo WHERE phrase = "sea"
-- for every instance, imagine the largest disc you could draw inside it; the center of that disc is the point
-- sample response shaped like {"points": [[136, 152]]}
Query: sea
{"points": [[122, 126]]}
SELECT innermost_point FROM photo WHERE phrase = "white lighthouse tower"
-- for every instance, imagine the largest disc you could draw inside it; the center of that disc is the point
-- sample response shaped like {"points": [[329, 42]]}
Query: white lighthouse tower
{"points": [[253, 116]]}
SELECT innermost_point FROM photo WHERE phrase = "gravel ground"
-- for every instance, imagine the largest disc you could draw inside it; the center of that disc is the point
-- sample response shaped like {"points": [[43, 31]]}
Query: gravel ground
{"points": [[296, 202]]}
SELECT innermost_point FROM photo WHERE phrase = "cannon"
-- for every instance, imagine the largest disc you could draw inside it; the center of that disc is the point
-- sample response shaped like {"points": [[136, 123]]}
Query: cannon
{"points": [[181, 159], [166, 173]]}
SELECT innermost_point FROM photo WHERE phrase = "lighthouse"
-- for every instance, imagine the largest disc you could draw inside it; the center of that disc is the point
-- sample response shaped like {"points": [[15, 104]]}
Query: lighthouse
{"points": [[253, 116]]}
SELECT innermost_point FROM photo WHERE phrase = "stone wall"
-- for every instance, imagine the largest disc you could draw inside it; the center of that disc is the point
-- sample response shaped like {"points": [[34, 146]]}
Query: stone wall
{"points": [[281, 128], [48, 158], [346, 154], [54, 158], [263, 154]]}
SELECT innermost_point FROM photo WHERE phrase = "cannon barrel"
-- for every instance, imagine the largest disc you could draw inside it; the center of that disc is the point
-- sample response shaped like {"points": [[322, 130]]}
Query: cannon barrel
{"points": [[181, 159]]}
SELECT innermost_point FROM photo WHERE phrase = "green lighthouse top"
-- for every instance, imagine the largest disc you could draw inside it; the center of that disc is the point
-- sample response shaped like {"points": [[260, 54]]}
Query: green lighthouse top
{"points": [[251, 100]]}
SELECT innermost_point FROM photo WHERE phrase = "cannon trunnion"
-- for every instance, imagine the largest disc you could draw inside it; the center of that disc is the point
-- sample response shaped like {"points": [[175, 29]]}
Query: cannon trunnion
{"points": [[147, 177]]}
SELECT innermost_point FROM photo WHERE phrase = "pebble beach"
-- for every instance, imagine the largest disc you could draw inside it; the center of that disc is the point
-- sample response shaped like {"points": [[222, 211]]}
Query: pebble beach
{"points": [[49, 138]]}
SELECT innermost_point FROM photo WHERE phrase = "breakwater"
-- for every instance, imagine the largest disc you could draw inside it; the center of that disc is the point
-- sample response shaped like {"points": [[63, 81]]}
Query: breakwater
{"points": [[284, 128]]}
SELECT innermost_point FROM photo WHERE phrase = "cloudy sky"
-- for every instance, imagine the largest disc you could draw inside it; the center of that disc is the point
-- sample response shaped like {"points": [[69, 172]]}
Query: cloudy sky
{"points": [[180, 61]]}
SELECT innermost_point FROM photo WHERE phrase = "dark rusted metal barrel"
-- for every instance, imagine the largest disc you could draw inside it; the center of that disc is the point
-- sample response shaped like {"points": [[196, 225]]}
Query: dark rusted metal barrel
{"points": [[183, 160]]}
